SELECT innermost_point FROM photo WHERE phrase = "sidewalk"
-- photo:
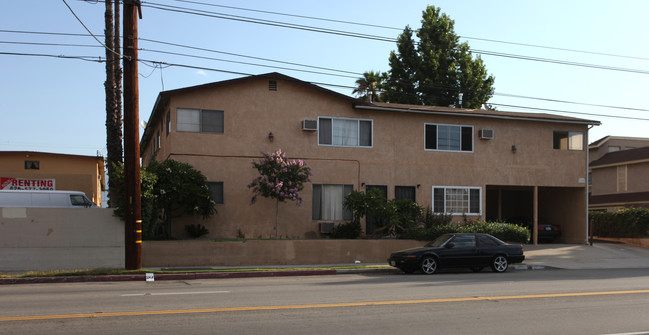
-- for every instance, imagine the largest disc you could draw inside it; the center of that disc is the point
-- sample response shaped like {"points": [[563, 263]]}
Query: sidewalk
{"points": [[601, 255]]}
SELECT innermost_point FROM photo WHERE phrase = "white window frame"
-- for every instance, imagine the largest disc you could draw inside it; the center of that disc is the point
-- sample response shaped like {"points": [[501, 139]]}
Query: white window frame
{"points": [[358, 132], [460, 126], [468, 200]]}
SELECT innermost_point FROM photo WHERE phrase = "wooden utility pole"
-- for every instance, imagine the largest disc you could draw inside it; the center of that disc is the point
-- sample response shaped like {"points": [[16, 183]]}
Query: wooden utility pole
{"points": [[133, 215]]}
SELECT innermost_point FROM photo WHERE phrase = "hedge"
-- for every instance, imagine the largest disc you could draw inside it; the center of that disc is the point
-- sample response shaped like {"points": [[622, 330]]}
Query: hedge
{"points": [[628, 222], [504, 231]]}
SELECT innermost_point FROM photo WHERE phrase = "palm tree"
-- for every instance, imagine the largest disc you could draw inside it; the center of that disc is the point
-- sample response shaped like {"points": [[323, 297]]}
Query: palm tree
{"points": [[369, 86]]}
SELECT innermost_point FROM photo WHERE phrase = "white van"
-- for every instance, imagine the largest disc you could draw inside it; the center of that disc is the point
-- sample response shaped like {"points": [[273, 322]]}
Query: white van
{"points": [[71, 199]]}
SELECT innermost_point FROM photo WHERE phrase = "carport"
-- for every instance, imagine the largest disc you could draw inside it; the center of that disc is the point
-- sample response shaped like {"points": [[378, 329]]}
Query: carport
{"points": [[565, 206]]}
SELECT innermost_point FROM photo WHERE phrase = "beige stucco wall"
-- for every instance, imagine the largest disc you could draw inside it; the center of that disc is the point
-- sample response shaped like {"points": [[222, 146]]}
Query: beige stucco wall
{"points": [[397, 156], [269, 252], [71, 172], [60, 239]]}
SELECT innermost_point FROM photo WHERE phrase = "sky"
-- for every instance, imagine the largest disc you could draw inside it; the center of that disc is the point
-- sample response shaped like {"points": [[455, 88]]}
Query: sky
{"points": [[56, 104]]}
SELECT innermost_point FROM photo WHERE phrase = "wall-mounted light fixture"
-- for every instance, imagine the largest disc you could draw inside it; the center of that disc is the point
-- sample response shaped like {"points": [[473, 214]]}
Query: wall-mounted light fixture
{"points": [[271, 137], [363, 185], [514, 149], [418, 186]]}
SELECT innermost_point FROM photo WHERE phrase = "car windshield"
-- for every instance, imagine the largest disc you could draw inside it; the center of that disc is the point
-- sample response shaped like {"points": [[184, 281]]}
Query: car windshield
{"points": [[440, 241]]}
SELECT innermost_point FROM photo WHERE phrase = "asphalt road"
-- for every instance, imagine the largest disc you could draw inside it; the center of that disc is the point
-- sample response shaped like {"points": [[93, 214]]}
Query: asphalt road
{"points": [[531, 302]]}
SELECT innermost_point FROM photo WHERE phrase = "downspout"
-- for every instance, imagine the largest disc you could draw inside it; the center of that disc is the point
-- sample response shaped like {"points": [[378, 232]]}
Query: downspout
{"points": [[588, 241]]}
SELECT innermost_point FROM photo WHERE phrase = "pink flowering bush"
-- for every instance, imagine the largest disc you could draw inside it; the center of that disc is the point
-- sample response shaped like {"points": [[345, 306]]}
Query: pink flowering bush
{"points": [[279, 178]]}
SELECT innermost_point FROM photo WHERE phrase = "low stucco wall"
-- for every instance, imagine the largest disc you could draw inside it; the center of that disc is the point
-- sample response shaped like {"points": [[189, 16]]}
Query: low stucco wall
{"points": [[34, 239], [269, 252]]}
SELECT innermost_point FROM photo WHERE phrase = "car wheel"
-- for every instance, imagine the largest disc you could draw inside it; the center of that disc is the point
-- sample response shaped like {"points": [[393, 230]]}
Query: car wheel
{"points": [[428, 265], [476, 269], [499, 264]]}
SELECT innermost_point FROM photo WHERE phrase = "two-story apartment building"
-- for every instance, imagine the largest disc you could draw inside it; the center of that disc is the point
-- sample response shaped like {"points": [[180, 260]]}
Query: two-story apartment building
{"points": [[478, 164]]}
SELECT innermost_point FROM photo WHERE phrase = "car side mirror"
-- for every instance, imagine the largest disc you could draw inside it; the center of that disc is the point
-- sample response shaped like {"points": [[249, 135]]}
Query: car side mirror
{"points": [[450, 245]]}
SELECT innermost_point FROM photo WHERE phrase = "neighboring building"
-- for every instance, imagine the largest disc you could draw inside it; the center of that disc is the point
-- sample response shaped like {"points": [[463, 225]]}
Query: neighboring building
{"points": [[472, 163], [620, 179], [29, 170], [608, 144]]}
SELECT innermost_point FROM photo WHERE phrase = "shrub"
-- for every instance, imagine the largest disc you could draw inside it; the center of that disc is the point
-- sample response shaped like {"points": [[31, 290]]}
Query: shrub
{"points": [[196, 230], [628, 222], [504, 231], [348, 230]]}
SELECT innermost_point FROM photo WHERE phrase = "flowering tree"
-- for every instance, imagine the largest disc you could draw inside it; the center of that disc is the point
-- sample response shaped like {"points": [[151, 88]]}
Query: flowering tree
{"points": [[280, 179]]}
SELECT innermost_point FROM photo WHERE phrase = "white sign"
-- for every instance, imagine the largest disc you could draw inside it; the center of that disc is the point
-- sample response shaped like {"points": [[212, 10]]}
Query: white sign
{"points": [[9, 183], [149, 277]]}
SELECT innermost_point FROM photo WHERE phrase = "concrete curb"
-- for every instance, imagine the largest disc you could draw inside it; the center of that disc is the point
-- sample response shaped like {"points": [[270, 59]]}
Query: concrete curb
{"points": [[168, 276]]}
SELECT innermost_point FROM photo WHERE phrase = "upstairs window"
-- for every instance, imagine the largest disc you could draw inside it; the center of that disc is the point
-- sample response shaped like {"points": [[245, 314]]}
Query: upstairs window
{"points": [[568, 140], [344, 132], [200, 121], [446, 137]]}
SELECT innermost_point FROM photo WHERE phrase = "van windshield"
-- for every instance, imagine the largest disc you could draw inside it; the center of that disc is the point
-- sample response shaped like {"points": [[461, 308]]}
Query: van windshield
{"points": [[79, 200]]}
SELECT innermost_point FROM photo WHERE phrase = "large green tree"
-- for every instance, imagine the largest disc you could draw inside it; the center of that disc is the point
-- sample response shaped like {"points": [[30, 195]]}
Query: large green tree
{"points": [[435, 69], [169, 189]]}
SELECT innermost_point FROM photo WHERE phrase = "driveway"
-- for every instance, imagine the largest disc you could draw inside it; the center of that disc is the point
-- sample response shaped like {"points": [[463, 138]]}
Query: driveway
{"points": [[601, 255]]}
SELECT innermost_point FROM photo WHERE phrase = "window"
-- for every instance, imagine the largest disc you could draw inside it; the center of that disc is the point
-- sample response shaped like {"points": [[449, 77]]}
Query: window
{"points": [[32, 165], [328, 202], [344, 132], [445, 137], [457, 200], [157, 142], [487, 241], [216, 188], [464, 241], [168, 122], [568, 140], [200, 121], [405, 192]]}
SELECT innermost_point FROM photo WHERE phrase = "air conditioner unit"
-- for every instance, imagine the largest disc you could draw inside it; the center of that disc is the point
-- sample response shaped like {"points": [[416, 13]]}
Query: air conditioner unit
{"points": [[326, 227], [309, 124], [486, 134]]}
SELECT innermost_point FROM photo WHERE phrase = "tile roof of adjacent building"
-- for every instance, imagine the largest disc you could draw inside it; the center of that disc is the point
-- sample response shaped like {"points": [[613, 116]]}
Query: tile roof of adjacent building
{"points": [[619, 199], [623, 156], [605, 139]]}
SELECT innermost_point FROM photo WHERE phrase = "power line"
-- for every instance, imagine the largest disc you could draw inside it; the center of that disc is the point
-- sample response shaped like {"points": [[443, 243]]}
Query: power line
{"points": [[88, 30], [401, 29], [570, 112], [284, 68]]}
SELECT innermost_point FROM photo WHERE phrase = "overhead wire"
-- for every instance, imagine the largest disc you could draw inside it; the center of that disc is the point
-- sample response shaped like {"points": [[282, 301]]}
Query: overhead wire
{"points": [[324, 30], [290, 69]]}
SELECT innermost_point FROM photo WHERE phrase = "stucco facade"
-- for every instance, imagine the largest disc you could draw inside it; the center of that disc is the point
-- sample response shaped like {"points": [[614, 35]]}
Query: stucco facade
{"points": [[41, 170], [620, 179], [515, 172]]}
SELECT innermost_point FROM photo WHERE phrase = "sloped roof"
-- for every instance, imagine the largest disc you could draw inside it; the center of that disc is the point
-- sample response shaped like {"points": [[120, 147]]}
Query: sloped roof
{"points": [[476, 113], [623, 156], [619, 198], [51, 154]]}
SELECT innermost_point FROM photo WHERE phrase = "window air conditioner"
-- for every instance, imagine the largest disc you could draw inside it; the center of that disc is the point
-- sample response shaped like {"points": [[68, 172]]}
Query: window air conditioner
{"points": [[309, 124], [326, 227], [487, 134]]}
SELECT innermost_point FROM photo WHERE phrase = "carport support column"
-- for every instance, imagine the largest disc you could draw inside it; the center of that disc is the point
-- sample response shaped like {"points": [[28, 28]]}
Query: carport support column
{"points": [[535, 215]]}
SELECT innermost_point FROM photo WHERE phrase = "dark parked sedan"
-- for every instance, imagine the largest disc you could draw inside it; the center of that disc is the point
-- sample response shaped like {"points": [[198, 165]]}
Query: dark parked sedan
{"points": [[473, 251]]}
